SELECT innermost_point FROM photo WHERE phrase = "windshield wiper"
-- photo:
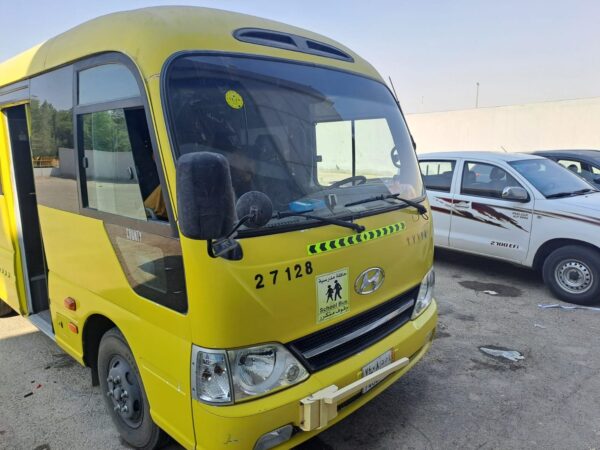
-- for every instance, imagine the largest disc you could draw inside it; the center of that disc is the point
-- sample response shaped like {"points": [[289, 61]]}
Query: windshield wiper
{"points": [[342, 223], [584, 191], [570, 194], [420, 208]]}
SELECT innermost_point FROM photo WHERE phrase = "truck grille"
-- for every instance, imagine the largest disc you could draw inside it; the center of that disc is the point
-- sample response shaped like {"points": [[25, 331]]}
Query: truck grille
{"points": [[340, 341]]}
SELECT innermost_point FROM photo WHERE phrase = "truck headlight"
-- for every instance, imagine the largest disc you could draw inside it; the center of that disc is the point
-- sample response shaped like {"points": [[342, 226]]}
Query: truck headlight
{"points": [[425, 295], [223, 377]]}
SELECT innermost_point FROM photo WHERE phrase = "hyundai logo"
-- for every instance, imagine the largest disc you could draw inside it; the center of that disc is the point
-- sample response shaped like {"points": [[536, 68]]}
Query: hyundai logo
{"points": [[369, 281]]}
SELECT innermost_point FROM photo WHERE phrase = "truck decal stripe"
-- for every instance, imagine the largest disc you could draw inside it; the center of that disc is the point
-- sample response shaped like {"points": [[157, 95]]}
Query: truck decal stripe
{"points": [[347, 241]]}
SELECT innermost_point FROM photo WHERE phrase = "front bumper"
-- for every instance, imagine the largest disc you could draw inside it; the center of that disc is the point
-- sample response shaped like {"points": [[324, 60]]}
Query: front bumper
{"points": [[241, 425]]}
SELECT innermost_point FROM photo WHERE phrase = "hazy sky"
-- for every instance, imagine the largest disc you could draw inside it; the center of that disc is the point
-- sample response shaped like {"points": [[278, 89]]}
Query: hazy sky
{"points": [[435, 51]]}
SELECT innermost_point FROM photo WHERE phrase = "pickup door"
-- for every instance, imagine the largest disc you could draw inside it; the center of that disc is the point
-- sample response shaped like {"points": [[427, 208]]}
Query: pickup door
{"points": [[482, 221], [438, 175]]}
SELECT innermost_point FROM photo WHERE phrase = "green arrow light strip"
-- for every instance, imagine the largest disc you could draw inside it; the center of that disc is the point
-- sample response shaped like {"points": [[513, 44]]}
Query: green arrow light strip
{"points": [[348, 241]]}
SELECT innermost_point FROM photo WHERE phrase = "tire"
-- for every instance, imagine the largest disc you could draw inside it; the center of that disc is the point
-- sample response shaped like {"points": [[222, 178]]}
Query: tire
{"points": [[133, 420], [5, 310], [572, 273]]}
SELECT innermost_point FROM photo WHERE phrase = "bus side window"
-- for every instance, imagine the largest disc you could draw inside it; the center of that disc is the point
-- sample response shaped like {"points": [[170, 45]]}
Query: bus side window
{"points": [[53, 153], [121, 175], [120, 171], [120, 183]]}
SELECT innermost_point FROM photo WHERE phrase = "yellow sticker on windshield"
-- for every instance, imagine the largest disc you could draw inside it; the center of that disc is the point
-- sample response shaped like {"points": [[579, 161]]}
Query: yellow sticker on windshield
{"points": [[332, 295], [354, 239], [234, 99]]}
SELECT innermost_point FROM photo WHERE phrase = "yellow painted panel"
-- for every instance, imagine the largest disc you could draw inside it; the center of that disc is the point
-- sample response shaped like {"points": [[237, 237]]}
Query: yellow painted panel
{"points": [[151, 35], [83, 265], [286, 310]]}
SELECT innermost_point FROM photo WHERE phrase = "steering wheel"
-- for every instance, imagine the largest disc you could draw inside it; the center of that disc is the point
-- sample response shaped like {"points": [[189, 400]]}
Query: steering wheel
{"points": [[395, 155], [359, 178]]}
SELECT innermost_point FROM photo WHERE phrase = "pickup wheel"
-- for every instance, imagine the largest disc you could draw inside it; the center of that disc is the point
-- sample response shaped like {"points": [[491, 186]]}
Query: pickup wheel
{"points": [[572, 273], [5, 310], [124, 394]]}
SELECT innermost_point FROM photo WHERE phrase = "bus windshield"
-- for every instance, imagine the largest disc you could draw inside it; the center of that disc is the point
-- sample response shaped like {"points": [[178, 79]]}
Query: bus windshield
{"points": [[311, 138]]}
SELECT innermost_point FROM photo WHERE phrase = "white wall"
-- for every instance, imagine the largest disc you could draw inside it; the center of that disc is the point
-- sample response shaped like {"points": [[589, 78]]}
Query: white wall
{"points": [[535, 126]]}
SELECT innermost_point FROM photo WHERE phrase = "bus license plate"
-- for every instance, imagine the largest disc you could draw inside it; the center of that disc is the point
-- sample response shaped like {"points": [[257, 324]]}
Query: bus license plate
{"points": [[374, 366]]}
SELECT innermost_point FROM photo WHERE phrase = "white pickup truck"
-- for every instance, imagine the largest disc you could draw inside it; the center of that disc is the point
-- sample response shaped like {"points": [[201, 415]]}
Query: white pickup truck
{"points": [[520, 208]]}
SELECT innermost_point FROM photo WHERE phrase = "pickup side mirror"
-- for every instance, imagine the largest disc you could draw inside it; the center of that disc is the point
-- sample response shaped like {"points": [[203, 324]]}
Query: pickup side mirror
{"points": [[515, 193], [205, 198]]}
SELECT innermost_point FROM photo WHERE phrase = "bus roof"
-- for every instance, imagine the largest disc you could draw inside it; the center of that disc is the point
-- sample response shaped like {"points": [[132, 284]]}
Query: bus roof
{"points": [[150, 35]]}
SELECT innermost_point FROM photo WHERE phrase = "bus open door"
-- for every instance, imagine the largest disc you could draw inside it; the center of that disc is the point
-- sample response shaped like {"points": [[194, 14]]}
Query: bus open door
{"points": [[22, 266]]}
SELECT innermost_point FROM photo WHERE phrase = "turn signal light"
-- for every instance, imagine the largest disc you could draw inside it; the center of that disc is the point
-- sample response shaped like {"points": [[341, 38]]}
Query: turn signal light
{"points": [[73, 328], [70, 304]]}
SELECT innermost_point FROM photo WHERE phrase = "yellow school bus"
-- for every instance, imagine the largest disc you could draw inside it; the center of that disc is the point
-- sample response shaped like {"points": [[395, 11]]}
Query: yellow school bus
{"points": [[221, 216]]}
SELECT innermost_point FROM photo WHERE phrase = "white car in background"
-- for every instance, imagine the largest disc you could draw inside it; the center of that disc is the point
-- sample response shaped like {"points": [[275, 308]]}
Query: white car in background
{"points": [[520, 208]]}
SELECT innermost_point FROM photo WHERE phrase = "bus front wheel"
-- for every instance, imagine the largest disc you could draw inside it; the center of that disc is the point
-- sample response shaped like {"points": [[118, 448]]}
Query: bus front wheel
{"points": [[124, 394]]}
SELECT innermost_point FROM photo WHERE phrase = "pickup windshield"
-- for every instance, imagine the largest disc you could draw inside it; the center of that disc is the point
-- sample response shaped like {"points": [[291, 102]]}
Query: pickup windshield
{"points": [[312, 139], [552, 179]]}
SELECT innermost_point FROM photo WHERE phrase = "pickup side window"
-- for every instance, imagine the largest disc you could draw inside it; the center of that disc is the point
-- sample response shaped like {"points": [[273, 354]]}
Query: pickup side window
{"points": [[437, 175], [485, 180], [584, 170]]}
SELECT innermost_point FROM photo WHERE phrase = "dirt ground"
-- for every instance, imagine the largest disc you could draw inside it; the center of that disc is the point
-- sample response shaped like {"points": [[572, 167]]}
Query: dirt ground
{"points": [[457, 397]]}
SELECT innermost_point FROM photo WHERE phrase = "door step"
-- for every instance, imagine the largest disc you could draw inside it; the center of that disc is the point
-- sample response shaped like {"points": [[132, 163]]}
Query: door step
{"points": [[43, 322]]}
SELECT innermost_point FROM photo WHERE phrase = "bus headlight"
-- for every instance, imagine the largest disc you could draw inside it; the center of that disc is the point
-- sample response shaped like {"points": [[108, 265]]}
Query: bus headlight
{"points": [[220, 377], [258, 370], [211, 380], [425, 295]]}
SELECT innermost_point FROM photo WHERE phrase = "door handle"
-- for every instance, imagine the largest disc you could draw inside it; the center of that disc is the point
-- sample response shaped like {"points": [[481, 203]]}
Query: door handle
{"points": [[462, 204]]}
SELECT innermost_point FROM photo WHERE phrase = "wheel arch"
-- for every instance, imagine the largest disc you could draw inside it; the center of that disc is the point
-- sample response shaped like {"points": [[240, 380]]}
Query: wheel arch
{"points": [[93, 330], [549, 246]]}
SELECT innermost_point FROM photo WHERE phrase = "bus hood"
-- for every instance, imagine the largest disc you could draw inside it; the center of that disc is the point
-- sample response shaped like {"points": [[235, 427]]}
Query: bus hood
{"points": [[289, 285]]}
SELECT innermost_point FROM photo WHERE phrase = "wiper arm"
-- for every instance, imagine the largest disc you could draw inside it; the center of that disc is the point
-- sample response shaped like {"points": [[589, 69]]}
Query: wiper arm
{"points": [[584, 191], [570, 194], [558, 195], [342, 223], [420, 208]]}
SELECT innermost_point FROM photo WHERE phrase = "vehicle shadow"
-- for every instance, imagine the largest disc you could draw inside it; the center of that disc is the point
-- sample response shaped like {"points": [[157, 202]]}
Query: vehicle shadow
{"points": [[460, 263]]}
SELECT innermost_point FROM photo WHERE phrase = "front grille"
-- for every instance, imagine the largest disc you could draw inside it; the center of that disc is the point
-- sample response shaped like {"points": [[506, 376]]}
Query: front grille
{"points": [[340, 341]]}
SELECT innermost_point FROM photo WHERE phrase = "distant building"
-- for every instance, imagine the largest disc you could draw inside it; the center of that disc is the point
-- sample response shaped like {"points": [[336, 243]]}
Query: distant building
{"points": [[534, 126]]}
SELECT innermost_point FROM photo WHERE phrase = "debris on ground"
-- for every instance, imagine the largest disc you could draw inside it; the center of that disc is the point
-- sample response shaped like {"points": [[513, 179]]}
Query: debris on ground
{"points": [[501, 290], [29, 394], [500, 352], [537, 325], [569, 307]]}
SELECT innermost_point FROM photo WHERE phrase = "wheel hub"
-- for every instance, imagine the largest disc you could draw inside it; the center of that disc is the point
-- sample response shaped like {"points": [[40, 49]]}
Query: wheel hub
{"points": [[124, 391], [574, 276]]}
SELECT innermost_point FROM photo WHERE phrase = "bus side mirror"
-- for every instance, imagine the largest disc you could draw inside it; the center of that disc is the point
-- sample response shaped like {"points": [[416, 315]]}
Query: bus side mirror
{"points": [[205, 198]]}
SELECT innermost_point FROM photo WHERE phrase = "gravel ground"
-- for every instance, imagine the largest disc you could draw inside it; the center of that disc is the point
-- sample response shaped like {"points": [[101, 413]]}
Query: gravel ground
{"points": [[457, 397]]}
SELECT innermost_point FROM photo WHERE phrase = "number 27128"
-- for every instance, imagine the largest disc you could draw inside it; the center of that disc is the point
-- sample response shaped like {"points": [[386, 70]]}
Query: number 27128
{"points": [[288, 274]]}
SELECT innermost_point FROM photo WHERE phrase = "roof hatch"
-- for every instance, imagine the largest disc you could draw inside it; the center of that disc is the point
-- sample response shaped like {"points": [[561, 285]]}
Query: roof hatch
{"points": [[292, 42]]}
